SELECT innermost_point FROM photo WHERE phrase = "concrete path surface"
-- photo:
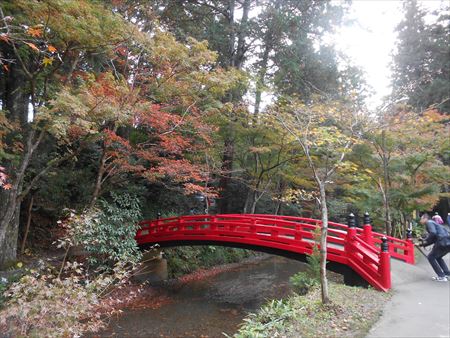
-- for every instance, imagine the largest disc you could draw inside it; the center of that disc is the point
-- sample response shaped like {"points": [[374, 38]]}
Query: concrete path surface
{"points": [[420, 307]]}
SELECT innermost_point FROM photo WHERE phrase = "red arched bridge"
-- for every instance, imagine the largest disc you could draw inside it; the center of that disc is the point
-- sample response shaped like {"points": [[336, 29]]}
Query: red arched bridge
{"points": [[357, 250]]}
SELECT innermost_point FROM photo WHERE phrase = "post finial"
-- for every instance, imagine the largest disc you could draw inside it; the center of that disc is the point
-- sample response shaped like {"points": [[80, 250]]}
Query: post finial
{"points": [[384, 244], [351, 220], [408, 233], [366, 218]]}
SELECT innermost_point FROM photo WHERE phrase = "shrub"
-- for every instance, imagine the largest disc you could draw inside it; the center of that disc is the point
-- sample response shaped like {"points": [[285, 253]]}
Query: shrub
{"points": [[302, 282], [305, 280], [107, 234], [43, 305], [270, 321], [183, 260]]}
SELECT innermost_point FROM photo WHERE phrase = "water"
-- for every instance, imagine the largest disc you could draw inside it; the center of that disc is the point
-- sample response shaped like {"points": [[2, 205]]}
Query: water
{"points": [[209, 307]]}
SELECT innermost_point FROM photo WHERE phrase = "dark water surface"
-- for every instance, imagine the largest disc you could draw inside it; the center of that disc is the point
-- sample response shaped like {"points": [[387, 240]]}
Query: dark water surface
{"points": [[209, 307]]}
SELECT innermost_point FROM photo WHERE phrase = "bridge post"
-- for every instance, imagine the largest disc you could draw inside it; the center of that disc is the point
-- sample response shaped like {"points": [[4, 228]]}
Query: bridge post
{"points": [[351, 233], [253, 226], [212, 223], [385, 264], [153, 267], [158, 216], [367, 229], [409, 252]]}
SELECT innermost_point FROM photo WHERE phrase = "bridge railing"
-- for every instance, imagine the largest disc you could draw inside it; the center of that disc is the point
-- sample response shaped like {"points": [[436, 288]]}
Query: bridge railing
{"points": [[370, 263], [398, 248], [364, 251]]}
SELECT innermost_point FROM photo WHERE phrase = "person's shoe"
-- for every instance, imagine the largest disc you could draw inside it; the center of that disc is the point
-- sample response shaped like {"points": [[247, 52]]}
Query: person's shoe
{"points": [[440, 279]]}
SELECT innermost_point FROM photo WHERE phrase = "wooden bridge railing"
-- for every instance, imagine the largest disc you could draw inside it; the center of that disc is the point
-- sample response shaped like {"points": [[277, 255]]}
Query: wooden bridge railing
{"points": [[366, 252]]}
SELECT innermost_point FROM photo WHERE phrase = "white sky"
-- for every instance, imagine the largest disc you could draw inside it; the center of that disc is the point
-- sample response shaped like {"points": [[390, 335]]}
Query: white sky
{"points": [[370, 41]]}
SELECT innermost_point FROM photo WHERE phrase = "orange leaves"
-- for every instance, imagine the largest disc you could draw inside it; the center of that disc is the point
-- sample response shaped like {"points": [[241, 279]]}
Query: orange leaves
{"points": [[32, 46], [74, 132], [35, 31], [111, 139], [174, 143], [178, 170], [433, 115], [52, 49], [191, 188]]}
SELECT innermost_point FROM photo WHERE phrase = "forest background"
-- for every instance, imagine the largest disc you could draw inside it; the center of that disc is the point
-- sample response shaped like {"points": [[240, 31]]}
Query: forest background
{"points": [[235, 106]]}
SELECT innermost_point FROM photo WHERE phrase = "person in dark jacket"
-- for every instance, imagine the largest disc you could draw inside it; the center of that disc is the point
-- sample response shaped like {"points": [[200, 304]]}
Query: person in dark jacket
{"points": [[438, 236]]}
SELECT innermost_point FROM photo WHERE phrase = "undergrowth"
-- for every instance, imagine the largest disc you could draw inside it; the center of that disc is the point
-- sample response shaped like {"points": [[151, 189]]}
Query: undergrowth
{"points": [[184, 260], [351, 313]]}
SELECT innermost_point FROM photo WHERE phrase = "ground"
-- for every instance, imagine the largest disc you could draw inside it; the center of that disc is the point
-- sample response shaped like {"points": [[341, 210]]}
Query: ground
{"points": [[419, 307], [351, 313]]}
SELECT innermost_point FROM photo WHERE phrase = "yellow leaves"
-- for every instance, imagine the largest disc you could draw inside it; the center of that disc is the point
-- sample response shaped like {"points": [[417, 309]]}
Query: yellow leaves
{"points": [[433, 115], [259, 150], [348, 167], [297, 195], [47, 61]]}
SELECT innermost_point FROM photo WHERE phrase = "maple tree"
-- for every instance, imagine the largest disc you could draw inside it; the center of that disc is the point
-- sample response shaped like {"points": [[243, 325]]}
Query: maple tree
{"points": [[141, 99], [42, 44]]}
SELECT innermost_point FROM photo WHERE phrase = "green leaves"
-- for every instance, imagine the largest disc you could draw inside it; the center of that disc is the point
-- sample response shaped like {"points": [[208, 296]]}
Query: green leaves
{"points": [[106, 233], [421, 66]]}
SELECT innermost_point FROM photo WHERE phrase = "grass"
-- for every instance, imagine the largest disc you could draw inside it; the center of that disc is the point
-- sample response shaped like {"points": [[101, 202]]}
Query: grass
{"points": [[351, 313]]}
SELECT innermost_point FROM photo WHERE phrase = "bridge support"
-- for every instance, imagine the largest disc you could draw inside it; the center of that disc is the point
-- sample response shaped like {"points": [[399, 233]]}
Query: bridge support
{"points": [[153, 267]]}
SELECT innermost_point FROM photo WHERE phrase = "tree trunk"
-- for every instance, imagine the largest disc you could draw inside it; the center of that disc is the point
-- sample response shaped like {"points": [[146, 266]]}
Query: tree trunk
{"points": [[12, 198], [8, 239], [248, 201], [27, 228], [387, 212], [228, 146], [16, 97], [260, 81], [254, 202], [385, 186], [227, 167], [239, 54], [15, 100], [99, 180], [278, 208], [323, 244], [232, 39]]}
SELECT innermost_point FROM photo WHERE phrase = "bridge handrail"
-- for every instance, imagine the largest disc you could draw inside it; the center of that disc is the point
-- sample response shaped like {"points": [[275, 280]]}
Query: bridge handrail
{"points": [[361, 249], [406, 246]]}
